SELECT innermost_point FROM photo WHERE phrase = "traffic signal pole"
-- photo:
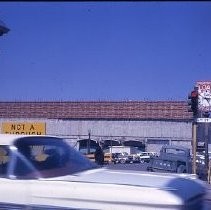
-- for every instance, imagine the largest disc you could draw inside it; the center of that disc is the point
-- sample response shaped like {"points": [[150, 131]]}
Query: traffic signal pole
{"points": [[193, 107], [199, 101]]}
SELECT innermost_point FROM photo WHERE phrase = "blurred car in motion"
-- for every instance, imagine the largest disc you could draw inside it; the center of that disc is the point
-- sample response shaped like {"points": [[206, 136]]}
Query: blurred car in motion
{"points": [[44, 172]]}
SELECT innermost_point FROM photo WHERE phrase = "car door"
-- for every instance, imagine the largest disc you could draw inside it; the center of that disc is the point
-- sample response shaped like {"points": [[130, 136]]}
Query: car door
{"points": [[49, 194], [14, 193]]}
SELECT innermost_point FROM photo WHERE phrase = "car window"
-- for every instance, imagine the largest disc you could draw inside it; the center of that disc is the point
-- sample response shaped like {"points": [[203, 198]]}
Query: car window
{"points": [[144, 153], [84, 150], [43, 157], [175, 151]]}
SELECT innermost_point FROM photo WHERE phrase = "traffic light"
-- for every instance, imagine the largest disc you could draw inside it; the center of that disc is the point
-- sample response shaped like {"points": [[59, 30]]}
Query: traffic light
{"points": [[193, 102]]}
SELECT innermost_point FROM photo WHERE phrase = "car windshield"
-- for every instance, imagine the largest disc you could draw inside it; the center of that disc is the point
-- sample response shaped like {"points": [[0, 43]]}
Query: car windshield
{"points": [[143, 154], [175, 151], [43, 157]]}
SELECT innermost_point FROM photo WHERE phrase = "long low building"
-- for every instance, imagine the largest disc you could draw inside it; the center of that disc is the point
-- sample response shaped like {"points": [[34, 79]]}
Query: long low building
{"points": [[145, 124]]}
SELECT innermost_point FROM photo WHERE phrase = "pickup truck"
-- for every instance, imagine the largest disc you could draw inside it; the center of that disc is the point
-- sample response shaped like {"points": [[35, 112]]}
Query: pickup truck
{"points": [[172, 158]]}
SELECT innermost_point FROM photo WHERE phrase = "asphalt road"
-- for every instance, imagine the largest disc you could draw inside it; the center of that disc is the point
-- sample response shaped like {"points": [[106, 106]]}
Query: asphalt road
{"points": [[143, 167]]}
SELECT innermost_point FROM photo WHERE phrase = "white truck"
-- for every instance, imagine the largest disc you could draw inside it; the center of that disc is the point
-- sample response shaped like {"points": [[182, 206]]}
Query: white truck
{"points": [[122, 149]]}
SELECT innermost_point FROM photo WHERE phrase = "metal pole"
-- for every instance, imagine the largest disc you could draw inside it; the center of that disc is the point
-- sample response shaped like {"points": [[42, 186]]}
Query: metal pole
{"points": [[206, 127], [208, 176], [194, 147], [88, 145]]}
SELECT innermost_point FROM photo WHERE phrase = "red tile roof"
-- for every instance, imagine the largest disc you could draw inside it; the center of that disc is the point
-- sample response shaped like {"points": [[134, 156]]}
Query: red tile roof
{"points": [[113, 110]]}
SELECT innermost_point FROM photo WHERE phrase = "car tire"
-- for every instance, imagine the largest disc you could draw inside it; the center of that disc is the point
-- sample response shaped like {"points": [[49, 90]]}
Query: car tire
{"points": [[122, 161], [149, 169], [181, 169], [142, 161]]}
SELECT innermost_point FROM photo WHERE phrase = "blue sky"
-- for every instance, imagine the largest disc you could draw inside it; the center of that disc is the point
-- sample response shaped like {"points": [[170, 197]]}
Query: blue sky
{"points": [[114, 51]]}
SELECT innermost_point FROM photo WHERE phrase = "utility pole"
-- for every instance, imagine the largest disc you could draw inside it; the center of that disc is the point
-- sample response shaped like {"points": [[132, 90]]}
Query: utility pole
{"points": [[204, 108], [88, 142], [206, 130], [194, 145], [193, 107]]}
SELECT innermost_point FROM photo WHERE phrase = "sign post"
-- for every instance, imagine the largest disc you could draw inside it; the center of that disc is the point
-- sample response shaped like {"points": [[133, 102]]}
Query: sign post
{"points": [[204, 109]]}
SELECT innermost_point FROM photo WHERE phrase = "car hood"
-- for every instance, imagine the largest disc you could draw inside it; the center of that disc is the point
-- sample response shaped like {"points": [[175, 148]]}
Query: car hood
{"points": [[183, 185]]}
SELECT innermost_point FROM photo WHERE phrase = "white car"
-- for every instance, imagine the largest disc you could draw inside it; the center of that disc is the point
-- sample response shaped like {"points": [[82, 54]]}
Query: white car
{"points": [[44, 172], [200, 159], [145, 156]]}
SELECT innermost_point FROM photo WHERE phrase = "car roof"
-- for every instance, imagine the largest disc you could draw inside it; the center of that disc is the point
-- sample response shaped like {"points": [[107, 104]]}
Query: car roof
{"points": [[175, 147], [9, 139]]}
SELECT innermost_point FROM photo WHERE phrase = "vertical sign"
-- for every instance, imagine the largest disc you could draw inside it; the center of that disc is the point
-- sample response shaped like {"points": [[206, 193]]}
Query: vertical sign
{"points": [[204, 96]]}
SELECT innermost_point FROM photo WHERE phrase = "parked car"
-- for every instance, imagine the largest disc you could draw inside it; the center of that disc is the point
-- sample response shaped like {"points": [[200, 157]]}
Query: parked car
{"points": [[135, 158], [145, 156], [122, 158], [44, 172], [200, 159], [115, 157]]}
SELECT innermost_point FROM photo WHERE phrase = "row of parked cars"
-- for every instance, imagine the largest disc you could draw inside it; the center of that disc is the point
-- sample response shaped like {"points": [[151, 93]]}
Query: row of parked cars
{"points": [[200, 157], [124, 157]]}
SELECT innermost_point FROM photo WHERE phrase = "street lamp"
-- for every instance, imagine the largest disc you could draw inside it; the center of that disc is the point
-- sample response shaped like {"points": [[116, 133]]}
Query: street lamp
{"points": [[3, 28]]}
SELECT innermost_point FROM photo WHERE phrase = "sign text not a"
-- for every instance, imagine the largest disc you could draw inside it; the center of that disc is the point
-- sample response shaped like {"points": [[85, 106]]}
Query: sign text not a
{"points": [[27, 128]]}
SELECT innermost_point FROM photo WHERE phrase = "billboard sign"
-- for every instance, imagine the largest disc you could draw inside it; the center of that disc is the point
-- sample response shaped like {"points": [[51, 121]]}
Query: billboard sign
{"points": [[24, 128], [204, 96]]}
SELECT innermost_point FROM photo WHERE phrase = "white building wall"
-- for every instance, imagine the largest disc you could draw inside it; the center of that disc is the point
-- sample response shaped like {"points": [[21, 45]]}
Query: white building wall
{"points": [[126, 130]]}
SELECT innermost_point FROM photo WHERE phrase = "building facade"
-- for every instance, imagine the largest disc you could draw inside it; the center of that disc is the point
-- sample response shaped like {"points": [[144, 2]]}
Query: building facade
{"points": [[147, 125]]}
